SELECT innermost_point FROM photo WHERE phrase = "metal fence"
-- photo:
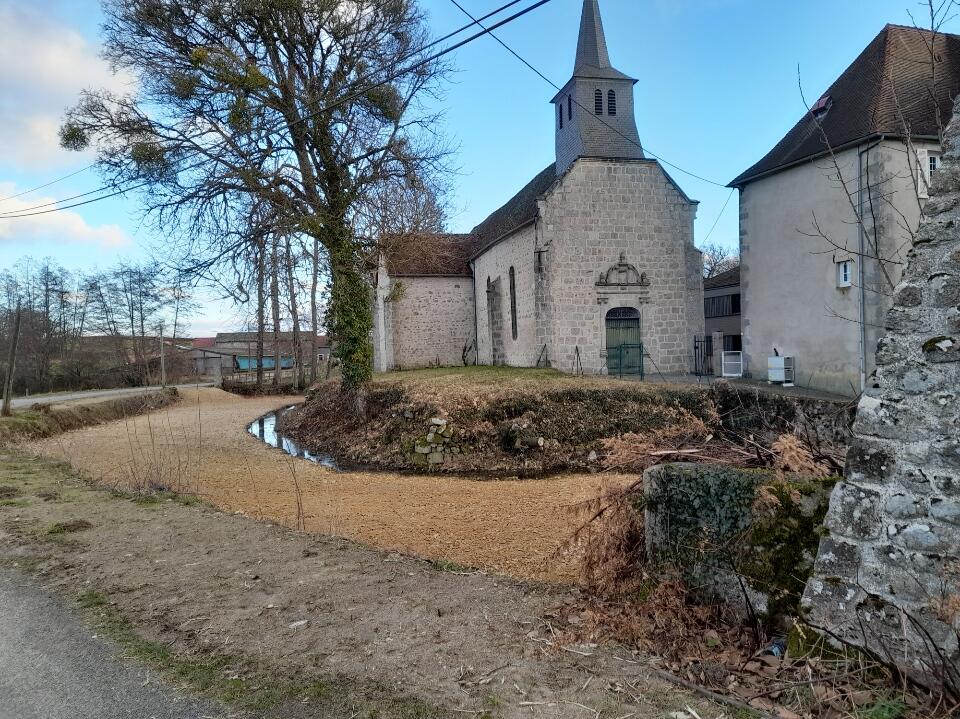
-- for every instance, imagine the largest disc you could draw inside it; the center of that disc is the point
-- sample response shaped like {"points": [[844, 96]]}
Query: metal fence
{"points": [[703, 356]]}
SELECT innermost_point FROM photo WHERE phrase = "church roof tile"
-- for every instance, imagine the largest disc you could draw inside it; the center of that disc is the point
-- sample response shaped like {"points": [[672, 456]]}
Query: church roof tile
{"points": [[516, 212]]}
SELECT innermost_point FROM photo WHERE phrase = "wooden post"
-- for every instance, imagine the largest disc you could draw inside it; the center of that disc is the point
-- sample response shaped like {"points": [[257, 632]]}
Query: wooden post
{"points": [[11, 365]]}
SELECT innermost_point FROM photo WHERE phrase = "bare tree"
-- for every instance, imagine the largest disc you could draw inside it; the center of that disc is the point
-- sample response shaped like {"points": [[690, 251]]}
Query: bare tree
{"points": [[717, 259], [306, 106]]}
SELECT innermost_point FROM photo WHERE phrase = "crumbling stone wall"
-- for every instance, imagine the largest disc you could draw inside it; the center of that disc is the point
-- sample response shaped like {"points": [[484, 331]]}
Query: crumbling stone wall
{"points": [[886, 577]]}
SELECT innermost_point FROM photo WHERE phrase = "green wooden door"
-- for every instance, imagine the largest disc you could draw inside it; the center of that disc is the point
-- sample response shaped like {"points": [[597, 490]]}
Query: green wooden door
{"points": [[624, 351]]}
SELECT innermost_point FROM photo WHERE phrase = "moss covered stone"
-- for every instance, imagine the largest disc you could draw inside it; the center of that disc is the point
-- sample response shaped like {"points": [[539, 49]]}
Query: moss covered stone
{"points": [[720, 524]]}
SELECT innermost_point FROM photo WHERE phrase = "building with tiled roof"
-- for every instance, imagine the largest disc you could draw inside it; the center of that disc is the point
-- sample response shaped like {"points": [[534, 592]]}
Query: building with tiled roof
{"points": [[828, 214], [590, 266]]}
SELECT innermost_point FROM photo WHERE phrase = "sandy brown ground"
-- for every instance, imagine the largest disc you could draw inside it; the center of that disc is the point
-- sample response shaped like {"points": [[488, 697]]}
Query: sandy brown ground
{"points": [[371, 625], [511, 527]]}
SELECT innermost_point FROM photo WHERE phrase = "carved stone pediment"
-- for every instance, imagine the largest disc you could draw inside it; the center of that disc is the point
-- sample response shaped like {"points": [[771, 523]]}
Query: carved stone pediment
{"points": [[623, 278]]}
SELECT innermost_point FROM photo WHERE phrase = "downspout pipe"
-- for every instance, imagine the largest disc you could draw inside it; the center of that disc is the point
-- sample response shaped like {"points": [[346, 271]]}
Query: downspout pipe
{"points": [[861, 261]]}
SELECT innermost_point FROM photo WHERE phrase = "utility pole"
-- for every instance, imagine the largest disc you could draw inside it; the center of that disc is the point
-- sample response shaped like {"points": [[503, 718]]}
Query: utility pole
{"points": [[11, 365], [163, 368]]}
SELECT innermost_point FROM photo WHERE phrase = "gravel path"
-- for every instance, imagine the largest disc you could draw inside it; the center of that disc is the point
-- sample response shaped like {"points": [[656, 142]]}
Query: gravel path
{"points": [[512, 527]]}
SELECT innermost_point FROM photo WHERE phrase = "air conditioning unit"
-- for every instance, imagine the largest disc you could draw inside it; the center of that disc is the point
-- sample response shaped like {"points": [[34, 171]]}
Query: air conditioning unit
{"points": [[780, 371]]}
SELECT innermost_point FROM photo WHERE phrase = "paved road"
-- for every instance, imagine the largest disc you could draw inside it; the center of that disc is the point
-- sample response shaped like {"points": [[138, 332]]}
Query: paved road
{"points": [[51, 667], [58, 397]]}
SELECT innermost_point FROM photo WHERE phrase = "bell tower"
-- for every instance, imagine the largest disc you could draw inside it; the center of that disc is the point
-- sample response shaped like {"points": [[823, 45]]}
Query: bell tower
{"points": [[593, 112]]}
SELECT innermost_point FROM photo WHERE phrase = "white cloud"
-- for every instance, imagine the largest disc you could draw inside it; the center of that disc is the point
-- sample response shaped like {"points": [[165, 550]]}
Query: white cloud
{"points": [[58, 227], [44, 65]]}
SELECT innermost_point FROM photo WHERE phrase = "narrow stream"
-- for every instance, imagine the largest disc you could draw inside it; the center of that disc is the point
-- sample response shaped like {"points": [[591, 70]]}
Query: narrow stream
{"points": [[265, 429]]}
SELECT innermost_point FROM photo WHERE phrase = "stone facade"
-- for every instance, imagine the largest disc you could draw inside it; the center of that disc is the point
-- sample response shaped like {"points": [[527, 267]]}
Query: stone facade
{"points": [[887, 576], [491, 271], [425, 320], [597, 213], [537, 296], [600, 211]]}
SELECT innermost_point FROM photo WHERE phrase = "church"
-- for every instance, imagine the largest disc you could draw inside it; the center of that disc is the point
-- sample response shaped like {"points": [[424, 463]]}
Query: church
{"points": [[590, 267]]}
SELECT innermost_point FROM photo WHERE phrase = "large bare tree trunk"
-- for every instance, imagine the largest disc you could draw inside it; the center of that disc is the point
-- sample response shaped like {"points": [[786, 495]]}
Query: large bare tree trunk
{"points": [[275, 301], [295, 317], [261, 305], [314, 278], [11, 365]]}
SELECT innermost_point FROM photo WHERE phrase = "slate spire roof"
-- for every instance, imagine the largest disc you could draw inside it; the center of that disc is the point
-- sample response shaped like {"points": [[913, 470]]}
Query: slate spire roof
{"points": [[592, 43], [889, 89], [593, 59]]}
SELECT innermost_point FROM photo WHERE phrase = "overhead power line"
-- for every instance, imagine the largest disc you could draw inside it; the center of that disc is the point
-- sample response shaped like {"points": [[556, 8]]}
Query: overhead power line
{"points": [[76, 204], [13, 213], [719, 215], [27, 212], [47, 184], [589, 114]]}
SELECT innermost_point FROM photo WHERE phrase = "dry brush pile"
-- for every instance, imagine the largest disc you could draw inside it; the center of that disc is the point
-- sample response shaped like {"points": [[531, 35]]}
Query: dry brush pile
{"points": [[540, 422]]}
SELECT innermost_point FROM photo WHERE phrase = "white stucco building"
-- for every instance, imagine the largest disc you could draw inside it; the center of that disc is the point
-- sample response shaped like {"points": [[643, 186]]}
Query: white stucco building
{"points": [[828, 215], [588, 262]]}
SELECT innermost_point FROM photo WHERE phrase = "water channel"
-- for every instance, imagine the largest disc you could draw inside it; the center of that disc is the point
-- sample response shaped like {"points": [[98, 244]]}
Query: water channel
{"points": [[265, 429]]}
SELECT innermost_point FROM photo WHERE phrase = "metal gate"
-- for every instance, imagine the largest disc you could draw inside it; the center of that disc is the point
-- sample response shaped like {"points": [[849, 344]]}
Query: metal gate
{"points": [[624, 351], [703, 356]]}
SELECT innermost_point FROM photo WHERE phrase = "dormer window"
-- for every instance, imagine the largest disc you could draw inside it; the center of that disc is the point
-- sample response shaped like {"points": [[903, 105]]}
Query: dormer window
{"points": [[598, 102], [611, 103], [821, 107], [569, 107]]}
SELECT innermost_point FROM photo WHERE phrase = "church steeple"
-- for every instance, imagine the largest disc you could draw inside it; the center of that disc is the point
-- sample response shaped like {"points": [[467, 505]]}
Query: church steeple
{"points": [[594, 110], [592, 44]]}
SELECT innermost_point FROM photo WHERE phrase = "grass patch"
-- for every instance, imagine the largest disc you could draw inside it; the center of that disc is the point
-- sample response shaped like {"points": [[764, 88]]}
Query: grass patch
{"points": [[445, 565], [68, 527], [26, 562], [883, 709], [153, 498], [13, 503], [240, 682], [45, 421], [8, 492]]}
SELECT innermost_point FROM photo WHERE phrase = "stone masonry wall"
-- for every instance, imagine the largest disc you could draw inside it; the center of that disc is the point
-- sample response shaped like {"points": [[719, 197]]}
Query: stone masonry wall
{"points": [[516, 251], [431, 320], [599, 209], [887, 576]]}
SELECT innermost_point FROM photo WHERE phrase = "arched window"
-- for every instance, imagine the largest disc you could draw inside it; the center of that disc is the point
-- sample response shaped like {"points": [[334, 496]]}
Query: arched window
{"points": [[611, 103], [513, 303], [569, 107], [560, 108], [598, 102]]}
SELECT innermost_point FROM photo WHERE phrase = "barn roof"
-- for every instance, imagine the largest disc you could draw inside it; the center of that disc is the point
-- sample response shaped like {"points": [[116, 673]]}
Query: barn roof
{"points": [[430, 255]]}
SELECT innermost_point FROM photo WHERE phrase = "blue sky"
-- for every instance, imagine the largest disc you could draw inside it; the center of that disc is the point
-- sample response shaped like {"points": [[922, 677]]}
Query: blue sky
{"points": [[717, 88]]}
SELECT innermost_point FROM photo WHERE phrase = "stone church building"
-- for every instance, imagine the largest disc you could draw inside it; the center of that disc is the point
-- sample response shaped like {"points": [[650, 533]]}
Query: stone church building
{"points": [[589, 262]]}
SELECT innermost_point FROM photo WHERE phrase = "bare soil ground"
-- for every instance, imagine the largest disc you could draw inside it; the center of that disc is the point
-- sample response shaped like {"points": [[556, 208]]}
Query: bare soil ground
{"points": [[200, 446], [283, 623]]}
